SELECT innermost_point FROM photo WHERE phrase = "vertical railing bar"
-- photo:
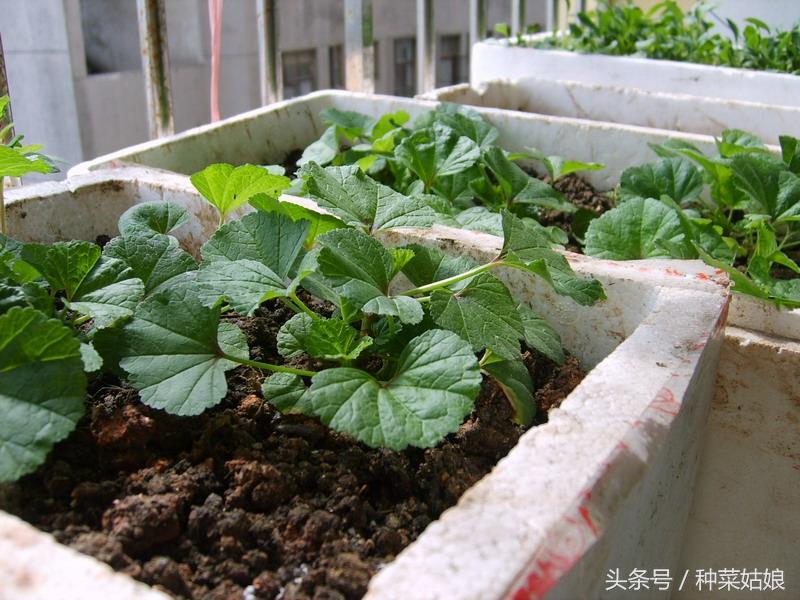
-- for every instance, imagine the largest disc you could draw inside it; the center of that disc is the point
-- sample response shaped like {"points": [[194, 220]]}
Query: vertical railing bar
{"points": [[518, 17], [359, 46], [552, 15], [155, 66], [7, 119], [269, 54], [477, 21], [426, 46]]}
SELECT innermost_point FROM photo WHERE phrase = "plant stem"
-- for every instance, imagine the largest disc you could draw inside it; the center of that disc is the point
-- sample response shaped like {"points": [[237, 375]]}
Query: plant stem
{"points": [[2, 207], [299, 304], [81, 320], [786, 243], [268, 367], [789, 245], [424, 289], [366, 323]]}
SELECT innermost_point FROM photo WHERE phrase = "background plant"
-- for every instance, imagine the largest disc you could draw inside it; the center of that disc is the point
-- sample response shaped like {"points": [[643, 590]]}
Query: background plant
{"points": [[448, 159], [739, 211], [17, 160], [666, 32]]}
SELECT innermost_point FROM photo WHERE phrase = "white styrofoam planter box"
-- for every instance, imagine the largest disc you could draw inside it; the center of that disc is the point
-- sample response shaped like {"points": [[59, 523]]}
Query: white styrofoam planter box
{"points": [[606, 483], [268, 135], [746, 507], [618, 104], [493, 59]]}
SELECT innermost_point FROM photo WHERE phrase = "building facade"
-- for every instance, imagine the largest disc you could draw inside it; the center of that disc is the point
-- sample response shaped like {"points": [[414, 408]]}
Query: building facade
{"points": [[75, 76]]}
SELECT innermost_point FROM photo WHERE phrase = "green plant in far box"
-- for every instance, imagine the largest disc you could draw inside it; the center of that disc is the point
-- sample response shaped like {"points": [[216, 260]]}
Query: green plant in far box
{"points": [[739, 211], [368, 141], [666, 32], [503, 30], [17, 160], [446, 165]]}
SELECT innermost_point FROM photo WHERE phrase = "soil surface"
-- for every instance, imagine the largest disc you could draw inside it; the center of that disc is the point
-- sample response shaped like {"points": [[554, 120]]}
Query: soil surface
{"points": [[290, 162], [581, 193], [244, 502]]}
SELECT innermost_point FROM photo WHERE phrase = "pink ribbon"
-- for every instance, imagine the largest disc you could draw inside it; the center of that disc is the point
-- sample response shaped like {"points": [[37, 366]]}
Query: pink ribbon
{"points": [[215, 22]]}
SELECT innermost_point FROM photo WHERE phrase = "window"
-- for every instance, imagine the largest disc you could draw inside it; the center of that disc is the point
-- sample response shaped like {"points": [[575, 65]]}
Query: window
{"points": [[405, 66], [451, 63], [110, 36], [336, 62], [299, 73]]}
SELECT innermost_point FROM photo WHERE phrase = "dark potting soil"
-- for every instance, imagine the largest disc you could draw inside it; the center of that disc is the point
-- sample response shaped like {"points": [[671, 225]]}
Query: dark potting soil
{"points": [[580, 193], [244, 498], [290, 162]]}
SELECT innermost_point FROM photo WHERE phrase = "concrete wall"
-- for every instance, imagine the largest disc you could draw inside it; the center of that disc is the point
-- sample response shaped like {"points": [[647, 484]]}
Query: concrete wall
{"points": [[38, 52], [684, 4], [777, 13]]}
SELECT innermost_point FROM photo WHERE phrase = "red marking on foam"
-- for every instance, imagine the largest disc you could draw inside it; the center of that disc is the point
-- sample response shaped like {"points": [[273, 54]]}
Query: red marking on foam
{"points": [[666, 403], [548, 571], [703, 276], [719, 271], [521, 594], [556, 559], [588, 519], [723, 317], [671, 271], [698, 346]]}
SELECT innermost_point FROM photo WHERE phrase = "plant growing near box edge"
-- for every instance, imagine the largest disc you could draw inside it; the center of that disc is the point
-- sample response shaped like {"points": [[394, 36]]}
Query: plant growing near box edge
{"points": [[17, 160], [738, 211], [666, 32], [144, 308]]}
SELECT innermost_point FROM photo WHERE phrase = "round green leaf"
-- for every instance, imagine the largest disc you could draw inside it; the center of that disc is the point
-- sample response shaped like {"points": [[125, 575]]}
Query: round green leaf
{"points": [[677, 178], [42, 387], [173, 355], [433, 390], [631, 230], [152, 217]]}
